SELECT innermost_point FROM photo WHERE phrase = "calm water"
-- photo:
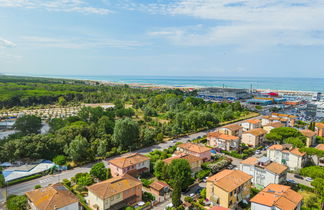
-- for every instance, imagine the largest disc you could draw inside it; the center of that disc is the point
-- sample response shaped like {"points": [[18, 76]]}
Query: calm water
{"points": [[302, 84]]}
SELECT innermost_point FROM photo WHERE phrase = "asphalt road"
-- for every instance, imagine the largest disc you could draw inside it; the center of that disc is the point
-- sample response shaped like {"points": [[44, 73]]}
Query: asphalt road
{"points": [[21, 188]]}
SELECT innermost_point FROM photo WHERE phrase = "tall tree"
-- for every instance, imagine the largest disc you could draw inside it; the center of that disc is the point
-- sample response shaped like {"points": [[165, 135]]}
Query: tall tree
{"points": [[126, 133], [179, 172], [28, 124], [176, 194], [78, 149], [99, 171]]}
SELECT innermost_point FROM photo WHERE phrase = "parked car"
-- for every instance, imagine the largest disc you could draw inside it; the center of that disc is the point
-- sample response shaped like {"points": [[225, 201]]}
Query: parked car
{"points": [[308, 179], [257, 152], [230, 167], [291, 181], [173, 141], [192, 195], [298, 176]]}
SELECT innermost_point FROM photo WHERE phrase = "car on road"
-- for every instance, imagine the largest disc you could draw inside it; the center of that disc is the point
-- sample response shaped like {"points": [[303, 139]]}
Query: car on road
{"points": [[291, 181], [173, 141], [308, 179], [298, 176]]}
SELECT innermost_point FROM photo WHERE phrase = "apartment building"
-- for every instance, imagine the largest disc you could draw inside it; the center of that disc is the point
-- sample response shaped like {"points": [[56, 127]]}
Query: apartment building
{"points": [[319, 129], [277, 197], [232, 129], [251, 124], [253, 138], [114, 193], [310, 137], [194, 162], [228, 187], [195, 150], [223, 141], [133, 164], [287, 155], [264, 171], [273, 125]]}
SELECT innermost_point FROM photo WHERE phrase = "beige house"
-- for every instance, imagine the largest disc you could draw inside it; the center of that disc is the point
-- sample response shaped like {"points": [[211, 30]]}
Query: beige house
{"points": [[114, 193], [232, 129], [273, 125], [223, 141], [276, 197], [55, 196], [195, 150], [251, 124], [310, 137], [290, 118], [228, 187], [319, 129], [253, 138], [194, 162]]}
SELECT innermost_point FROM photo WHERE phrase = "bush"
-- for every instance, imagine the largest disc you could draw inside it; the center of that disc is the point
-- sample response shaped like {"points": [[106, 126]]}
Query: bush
{"points": [[15, 202], [59, 160], [67, 182], [313, 172], [37, 186], [146, 182], [148, 197], [24, 179], [188, 199], [203, 193], [202, 174]]}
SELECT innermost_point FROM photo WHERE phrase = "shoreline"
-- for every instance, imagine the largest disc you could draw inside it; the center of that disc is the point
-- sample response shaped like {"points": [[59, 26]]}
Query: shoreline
{"points": [[162, 86]]}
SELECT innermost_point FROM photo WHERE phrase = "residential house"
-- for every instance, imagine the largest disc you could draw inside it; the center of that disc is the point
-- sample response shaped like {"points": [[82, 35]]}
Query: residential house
{"points": [[319, 129], [287, 155], [265, 120], [133, 164], [290, 118], [253, 138], [310, 137], [228, 187], [251, 124], [114, 193], [194, 162], [195, 150], [277, 197], [223, 141], [160, 190], [320, 160], [232, 129], [264, 171], [273, 125], [55, 196]]}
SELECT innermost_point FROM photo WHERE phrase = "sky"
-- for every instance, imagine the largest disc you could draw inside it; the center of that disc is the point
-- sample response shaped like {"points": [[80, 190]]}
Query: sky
{"points": [[251, 38]]}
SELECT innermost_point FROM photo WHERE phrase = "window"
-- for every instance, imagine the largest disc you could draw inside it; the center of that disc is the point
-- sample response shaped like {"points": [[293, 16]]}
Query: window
{"points": [[117, 196], [112, 198]]}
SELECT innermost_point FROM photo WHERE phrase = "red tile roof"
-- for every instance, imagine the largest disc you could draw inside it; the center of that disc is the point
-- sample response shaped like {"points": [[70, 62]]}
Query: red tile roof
{"points": [[194, 147], [128, 160], [223, 136]]}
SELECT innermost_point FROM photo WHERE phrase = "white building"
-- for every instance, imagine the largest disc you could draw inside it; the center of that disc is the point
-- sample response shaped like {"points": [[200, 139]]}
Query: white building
{"points": [[223, 141], [285, 154], [251, 124], [276, 197], [264, 171]]}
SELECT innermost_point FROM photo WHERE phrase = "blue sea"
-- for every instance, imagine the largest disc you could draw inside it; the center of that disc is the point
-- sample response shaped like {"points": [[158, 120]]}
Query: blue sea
{"points": [[298, 84]]}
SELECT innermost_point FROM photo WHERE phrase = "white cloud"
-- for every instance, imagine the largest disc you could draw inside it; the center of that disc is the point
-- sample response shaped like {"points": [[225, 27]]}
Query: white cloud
{"points": [[77, 43], [247, 23], [56, 5], [6, 43]]}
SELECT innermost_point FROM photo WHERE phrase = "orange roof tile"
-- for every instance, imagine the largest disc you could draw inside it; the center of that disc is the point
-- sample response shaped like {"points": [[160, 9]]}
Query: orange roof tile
{"points": [[275, 125], [280, 196], [52, 197], [232, 127], [157, 185], [250, 161], [308, 133], [319, 125], [276, 147], [276, 168], [229, 180], [128, 160], [189, 158], [296, 151], [256, 132], [113, 186], [253, 121], [194, 147], [223, 136], [218, 208], [284, 115], [320, 147]]}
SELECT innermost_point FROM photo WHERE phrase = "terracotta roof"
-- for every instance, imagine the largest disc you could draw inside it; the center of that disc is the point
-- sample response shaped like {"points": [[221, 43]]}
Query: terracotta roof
{"points": [[194, 147], [276, 147], [256, 132], [275, 125], [308, 133], [280, 196], [284, 115], [223, 136], [266, 117], [320, 147], [250, 161], [189, 158], [52, 197], [253, 121], [283, 120], [113, 186], [218, 208], [319, 125], [296, 151], [157, 185], [128, 160], [276, 168], [229, 180], [232, 127]]}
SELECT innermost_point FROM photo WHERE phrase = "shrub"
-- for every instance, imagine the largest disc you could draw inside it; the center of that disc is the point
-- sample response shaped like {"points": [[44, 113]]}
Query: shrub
{"points": [[37, 186], [146, 182], [59, 160], [15, 202], [148, 197], [202, 174]]}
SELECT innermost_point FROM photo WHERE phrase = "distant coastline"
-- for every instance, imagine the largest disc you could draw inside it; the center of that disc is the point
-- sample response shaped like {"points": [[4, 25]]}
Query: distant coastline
{"points": [[309, 85]]}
